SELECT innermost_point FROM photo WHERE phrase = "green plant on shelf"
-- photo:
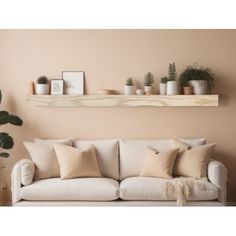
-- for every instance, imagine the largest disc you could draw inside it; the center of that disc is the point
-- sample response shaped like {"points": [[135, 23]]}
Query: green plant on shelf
{"points": [[42, 80], [129, 82], [164, 79], [148, 79], [172, 72]]}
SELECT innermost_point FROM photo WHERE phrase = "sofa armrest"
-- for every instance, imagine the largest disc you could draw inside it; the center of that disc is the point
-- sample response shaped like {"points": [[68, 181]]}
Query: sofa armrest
{"points": [[22, 174], [217, 174]]}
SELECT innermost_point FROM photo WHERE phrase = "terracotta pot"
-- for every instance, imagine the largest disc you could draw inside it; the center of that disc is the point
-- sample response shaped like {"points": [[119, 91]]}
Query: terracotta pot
{"points": [[148, 90], [188, 90]]}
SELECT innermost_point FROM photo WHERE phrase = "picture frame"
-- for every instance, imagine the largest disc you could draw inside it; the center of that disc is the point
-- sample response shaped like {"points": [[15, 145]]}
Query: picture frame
{"points": [[57, 86], [73, 82]]}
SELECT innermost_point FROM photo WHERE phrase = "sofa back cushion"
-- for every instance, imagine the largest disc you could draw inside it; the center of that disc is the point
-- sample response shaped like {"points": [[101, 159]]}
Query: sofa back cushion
{"points": [[132, 153], [107, 155]]}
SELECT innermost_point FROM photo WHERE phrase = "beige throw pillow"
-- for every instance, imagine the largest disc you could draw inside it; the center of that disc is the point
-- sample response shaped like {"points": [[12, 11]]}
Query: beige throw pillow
{"points": [[77, 163], [159, 164], [66, 141], [45, 160], [192, 162]]}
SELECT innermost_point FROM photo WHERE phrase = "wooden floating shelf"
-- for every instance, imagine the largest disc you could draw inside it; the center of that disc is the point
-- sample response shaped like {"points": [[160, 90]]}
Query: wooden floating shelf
{"points": [[124, 100]]}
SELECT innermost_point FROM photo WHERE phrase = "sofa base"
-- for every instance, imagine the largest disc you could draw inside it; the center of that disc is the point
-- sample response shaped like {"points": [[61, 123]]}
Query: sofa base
{"points": [[115, 203]]}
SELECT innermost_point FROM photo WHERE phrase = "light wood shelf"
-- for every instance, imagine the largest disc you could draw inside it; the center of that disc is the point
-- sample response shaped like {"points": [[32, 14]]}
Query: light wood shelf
{"points": [[124, 100]]}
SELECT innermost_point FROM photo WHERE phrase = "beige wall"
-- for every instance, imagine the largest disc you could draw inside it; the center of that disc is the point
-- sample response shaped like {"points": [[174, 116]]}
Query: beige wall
{"points": [[108, 57]]}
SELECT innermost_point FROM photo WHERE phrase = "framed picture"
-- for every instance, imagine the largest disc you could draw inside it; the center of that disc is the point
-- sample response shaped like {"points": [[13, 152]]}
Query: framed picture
{"points": [[57, 86], [74, 82]]}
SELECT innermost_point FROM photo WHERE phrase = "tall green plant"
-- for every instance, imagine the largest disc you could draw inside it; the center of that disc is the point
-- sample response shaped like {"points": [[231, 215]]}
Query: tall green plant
{"points": [[6, 141], [172, 72]]}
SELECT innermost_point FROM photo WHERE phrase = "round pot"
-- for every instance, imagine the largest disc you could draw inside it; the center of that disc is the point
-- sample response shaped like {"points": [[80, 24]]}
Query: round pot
{"points": [[199, 86], [148, 90], [163, 88], [172, 88], [42, 89], [188, 90], [129, 90], [139, 92]]}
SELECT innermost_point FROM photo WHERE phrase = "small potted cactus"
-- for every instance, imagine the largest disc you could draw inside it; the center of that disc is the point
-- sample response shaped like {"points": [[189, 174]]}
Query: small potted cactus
{"points": [[42, 86], [172, 83], [129, 87], [163, 85], [148, 82]]}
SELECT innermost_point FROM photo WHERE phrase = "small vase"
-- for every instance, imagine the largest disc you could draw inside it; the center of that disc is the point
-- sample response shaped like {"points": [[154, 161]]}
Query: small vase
{"points": [[139, 92], [199, 86], [163, 88], [42, 89], [172, 88], [148, 90], [129, 90], [188, 90]]}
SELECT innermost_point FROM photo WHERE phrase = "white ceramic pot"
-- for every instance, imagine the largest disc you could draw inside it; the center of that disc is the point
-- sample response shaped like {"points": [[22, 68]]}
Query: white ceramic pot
{"points": [[148, 90], [163, 88], [129, 90], [42, 89], [199, 86], [139, 92], [172, 88]]}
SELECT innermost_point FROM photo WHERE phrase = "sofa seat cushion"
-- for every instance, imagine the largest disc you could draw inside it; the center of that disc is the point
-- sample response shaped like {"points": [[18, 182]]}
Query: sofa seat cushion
{"points": [[80, 189], [149, 188]]}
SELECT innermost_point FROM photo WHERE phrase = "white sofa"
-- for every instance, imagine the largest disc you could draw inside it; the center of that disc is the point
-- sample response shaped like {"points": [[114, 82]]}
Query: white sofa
{"points": [[120, 162]]}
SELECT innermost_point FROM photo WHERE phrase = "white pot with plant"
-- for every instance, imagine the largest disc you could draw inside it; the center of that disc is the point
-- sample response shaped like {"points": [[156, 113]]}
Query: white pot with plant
{"points": [[148, 82], [172, 83], [129, 88], [201, 79], [42, 86], [163, 85]]}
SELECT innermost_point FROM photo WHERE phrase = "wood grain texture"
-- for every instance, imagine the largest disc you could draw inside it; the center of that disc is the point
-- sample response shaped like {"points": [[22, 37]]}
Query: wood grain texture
{"points": [[123, 100]]}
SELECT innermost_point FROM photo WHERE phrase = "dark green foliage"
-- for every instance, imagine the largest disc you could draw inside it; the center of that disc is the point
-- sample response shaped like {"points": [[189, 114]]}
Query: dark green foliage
{"points": [[195, 73], [129, 82], [172, 72], [6, 141], [164, 79], [148, 79], [42, 80]]}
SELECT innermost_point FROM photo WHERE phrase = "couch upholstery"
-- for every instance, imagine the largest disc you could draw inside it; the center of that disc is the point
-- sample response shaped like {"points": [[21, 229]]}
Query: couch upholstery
{"points": [[121, 184]]}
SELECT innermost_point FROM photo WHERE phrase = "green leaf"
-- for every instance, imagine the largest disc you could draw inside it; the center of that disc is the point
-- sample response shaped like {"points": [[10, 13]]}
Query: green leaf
{"points": [[6, 141], [3, 113], [4, 120], [0, 96], [4, 154], [15, 120]]}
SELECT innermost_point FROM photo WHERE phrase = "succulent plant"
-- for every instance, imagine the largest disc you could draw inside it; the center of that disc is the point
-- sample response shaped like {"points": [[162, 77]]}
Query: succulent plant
{"points": [[42, 80], [129, 82], [148, 79], [172, 72], [164, 79]]}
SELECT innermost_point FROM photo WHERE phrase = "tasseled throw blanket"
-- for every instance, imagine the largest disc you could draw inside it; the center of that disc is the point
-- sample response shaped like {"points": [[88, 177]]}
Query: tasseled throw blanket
{"points": [[181, 188]]}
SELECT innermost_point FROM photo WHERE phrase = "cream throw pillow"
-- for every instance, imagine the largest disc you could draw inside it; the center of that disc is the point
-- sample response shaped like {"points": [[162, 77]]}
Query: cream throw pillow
{"points": [[159, 164], [192, 162], [77, 163], [45, 160]]}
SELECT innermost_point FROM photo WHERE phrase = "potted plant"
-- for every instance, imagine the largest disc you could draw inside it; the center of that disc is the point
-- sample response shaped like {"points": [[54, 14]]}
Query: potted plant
{"points": [[201, 79], [184, 82], [172, 83], [129, 87], [163, 85], [148, 82], [42, 86]]}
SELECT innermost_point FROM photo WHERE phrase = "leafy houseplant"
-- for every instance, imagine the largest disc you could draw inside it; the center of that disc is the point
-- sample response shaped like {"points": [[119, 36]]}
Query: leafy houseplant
{"points": [[148, 82], [6, 141], [172, 83], [201, 79], [129, 87], [42, 86]]}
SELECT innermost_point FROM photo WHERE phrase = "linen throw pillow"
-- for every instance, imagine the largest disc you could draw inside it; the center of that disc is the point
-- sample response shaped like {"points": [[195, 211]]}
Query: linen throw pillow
{"points": [[77, 163], [45, 160], [192, 162], [159, 164], [66, 141]]}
